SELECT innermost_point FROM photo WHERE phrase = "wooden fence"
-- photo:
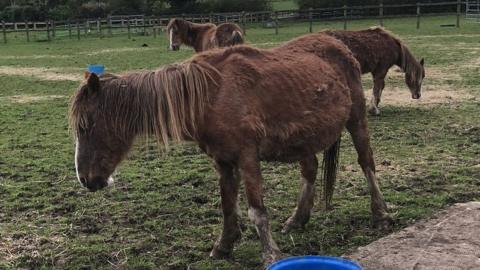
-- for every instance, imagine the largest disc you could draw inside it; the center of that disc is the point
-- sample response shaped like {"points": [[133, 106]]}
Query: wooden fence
{"points": [[139, 24]]}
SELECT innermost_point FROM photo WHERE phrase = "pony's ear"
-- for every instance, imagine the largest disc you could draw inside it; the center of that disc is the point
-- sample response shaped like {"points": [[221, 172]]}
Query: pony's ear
{"points": [[422, 62], [93, 83]]}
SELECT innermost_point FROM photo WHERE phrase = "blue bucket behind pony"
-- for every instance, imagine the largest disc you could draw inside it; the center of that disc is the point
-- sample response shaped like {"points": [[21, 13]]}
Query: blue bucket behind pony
{"points": [[97, 69], [314, 263]]}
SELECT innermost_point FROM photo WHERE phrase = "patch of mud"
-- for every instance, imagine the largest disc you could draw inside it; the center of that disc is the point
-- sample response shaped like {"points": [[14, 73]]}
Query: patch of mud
{"points": [[40, 73], [22, 99], [448, 241]]}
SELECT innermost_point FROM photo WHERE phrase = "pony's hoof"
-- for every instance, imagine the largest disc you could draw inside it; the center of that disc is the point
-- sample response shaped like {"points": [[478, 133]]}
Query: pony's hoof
{"points": [[374, 111], [383, 223], [291, 224], [218, 253], [269, 259]]}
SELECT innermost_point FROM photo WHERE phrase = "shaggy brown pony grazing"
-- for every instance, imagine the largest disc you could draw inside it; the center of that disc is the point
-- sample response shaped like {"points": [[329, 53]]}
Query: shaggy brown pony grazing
{"points": [[241, 105], [202, 37], [377, 51]]}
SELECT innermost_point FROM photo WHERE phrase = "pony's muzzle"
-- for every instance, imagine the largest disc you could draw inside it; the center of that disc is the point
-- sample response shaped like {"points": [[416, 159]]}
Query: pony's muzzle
{"points": [[416, 96], [95, 183]]}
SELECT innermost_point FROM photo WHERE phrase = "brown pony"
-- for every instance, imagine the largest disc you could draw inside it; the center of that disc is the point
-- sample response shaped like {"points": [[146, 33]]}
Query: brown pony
{"points": [[202, 37], [241, 105], [377, 50]]}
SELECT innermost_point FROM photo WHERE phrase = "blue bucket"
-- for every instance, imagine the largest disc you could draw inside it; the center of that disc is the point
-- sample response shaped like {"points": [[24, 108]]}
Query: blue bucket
{"points": [[97, 69], [314, 263]]}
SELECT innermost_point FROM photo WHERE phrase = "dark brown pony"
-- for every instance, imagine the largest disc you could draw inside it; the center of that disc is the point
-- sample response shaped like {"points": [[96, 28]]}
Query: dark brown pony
{"points": [[377, 51], [241, 105], [202, 37]]}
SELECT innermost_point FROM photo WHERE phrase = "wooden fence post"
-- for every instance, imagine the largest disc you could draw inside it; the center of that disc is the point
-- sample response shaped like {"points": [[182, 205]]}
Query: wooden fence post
{"points": [[154, 28], [69, 29], [48, 30], [53, 28], [86, 26], [27, 31], [243, 23], [380, 13], [459, 10], [418, 15], [4, 31], [99, 27], [144, 27], [345, 17], [128, 28], [310, 18], [78, 29], [210, 17], [276, 22], [109, 25]]}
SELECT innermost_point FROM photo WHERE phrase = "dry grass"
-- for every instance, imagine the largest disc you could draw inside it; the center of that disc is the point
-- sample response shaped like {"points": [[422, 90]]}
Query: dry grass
{"points": [[40, 73], [22, 99]]}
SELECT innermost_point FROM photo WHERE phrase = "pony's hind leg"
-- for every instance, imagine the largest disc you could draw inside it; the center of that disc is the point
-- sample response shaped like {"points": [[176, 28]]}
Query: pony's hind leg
{"points": [[301, 214], [229, 183], [359, 132], [249, 167], [378, 85]]}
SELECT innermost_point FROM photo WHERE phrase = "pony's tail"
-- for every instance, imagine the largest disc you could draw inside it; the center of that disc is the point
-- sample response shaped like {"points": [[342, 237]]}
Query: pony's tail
{"points": [[330, 166], [237, 38]]}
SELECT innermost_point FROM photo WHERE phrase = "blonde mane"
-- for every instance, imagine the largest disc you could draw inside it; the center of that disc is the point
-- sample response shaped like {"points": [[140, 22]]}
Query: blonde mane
{"points": [[168, 103]]}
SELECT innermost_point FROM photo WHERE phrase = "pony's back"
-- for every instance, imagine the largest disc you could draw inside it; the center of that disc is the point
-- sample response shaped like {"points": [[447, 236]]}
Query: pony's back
{"points": [[371, 47]]}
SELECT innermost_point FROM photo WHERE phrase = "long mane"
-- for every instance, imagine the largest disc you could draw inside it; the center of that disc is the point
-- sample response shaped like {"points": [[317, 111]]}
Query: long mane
{"points": [[168, 102]]}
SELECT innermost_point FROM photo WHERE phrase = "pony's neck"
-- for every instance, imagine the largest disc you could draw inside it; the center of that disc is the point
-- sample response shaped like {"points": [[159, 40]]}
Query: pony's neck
{"points": [[168, 103], [193, 34]]}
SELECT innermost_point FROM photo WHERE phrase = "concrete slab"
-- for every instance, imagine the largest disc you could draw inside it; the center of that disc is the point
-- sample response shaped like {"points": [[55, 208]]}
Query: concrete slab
{"points": [[450, 240]]}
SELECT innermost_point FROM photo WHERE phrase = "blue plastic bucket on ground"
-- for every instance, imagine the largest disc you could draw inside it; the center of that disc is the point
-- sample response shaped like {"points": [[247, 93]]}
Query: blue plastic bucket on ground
{"points": [[97, 69], [314, 263]]}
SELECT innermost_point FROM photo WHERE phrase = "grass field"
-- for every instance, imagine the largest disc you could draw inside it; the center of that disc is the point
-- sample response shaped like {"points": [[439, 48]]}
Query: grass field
{"points": [[164, 211], [284, 5]]}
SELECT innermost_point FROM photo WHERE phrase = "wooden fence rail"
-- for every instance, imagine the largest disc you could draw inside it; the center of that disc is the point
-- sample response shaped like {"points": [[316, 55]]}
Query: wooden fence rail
{"points": [[154, 25]]}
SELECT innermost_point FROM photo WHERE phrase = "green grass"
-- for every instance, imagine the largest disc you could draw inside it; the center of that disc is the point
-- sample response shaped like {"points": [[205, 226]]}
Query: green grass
{"points": [[164, 211], [284, 5]]}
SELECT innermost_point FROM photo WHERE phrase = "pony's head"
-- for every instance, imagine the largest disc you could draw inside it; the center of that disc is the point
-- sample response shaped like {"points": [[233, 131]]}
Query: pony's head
{"points": [[414, 78], [98, 146], [108, 112], [176, 28]]}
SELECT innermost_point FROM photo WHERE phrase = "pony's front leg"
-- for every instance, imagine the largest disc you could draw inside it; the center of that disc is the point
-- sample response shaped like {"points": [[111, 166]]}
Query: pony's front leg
{"points": [[378, 85], [229, 183], [249, 166], [301, 215]]}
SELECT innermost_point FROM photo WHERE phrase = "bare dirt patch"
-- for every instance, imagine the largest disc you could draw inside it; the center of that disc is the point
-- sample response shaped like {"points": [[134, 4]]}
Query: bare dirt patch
{"points": [[40, 73], [30, 99], [450, 240], [431, 73], [431, 95], [436, 89]]}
